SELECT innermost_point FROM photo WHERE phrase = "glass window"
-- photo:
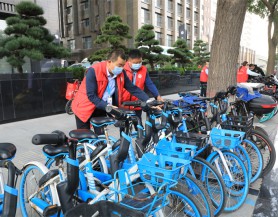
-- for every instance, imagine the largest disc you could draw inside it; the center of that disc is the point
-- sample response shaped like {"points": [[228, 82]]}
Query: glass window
{"points": [[169, 40], [86, 22], [188, 13], [86, 5], [69, 28], [170, 23], [188, 28], [170, 5], [146, 1], [158, 3], [196, 16], [87, 42], [195, 30], [179, 9], [196, 3], [145, 15], [71, 44], [188, 1], [69, 10], [158, 36], [158, 20], [179, 23]]}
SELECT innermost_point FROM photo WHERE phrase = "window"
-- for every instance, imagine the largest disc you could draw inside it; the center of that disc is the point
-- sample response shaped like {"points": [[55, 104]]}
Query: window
{"points": [[145, 15], [170, 5], [196, 3], [188, 28], [179, 23], [146, 1], [86, 5], [158, 3], [158, 36], [195, 30], [69, 28], [188, 13], [169, 40], [196, 16], [87, 42], [158, 20], [179, 9], [69, 10], [188, 1], [86, 23], [170, 23], [71, 44]]}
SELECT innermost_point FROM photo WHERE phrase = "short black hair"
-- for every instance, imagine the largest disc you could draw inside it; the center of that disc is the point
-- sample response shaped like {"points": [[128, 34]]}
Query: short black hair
{"points": [[114, 54], [134, 54], [251, 64]]}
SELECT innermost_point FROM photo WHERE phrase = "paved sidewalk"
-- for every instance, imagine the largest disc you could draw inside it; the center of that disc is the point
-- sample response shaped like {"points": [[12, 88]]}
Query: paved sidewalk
{"points": [[20, 134]]}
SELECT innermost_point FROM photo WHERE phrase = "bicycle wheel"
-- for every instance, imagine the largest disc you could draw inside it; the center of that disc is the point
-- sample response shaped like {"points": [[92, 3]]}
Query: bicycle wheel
{"points": [[68, 107], [237, 185], [244, 157], [255, 157], [212, 181], [260, 130], [198, 192], [266, 148], [29, 192], [181, 203]]}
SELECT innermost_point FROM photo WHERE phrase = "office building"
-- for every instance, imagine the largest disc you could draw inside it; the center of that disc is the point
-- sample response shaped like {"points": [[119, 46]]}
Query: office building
{"points": [[81, 21]]}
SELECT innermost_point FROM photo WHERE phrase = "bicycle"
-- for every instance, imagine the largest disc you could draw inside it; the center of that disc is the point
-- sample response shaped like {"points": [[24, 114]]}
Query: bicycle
{"points": [[72, 89]]}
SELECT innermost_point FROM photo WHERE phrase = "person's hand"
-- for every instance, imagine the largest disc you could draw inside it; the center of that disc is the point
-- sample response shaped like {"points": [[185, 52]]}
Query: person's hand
{"points": [[159, 98]]}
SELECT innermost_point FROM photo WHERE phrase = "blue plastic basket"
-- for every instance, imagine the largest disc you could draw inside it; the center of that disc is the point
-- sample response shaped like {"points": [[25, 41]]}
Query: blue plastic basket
{"points": [[226, 138], [173, 149], [160, 169]]}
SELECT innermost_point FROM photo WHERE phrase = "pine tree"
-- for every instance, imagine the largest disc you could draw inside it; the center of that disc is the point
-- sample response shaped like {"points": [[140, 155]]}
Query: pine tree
{"points": [[113, 34], [181, 54], [145, 41], [28, 38], [200, 56]]}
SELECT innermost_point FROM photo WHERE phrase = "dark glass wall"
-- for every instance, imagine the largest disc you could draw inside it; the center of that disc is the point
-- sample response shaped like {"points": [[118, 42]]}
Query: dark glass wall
{"points": [[29, 95]]}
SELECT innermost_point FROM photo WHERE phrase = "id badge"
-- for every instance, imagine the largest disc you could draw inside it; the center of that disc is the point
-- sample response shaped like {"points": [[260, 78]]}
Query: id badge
{"points": [[109, 100]]}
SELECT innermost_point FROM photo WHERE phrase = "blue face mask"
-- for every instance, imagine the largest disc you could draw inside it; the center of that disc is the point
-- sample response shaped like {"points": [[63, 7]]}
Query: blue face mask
{"points": [[117, 70], [136, 66]]}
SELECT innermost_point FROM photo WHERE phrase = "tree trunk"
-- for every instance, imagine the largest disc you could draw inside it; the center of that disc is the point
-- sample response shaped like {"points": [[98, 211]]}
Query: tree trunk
{"points": [[230, 16], [272, 43], [19, 69]]}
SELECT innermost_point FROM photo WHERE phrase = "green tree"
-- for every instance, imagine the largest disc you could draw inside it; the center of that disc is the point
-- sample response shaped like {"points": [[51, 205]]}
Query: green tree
{"points": [[28, 38], [268, 8], [181, 54], [113, 34], [145, 41], [200, 56]]}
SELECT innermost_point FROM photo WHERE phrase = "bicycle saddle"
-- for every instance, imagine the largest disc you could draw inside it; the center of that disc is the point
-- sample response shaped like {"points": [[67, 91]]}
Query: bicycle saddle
{"points": [[102, 121], [55, 150], [7, 150], [82, 134]]}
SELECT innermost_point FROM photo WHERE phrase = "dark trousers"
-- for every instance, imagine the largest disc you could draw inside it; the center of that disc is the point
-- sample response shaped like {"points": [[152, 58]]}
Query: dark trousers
{"points": [[86, 125], [203, 87]]}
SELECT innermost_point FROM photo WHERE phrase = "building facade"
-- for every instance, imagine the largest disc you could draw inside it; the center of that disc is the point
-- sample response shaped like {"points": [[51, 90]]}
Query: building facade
{"points": [[81, 21]]}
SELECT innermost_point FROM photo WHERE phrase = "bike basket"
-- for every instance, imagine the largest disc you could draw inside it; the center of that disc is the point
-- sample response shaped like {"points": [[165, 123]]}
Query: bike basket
{"points": [[173, 149], [191, 138], [71, 89], [238, 123], [103, 208], [160, 169], [226, 138]]}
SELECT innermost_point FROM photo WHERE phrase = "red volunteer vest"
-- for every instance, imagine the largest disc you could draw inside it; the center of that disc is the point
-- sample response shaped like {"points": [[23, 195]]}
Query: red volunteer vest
{"points": [[242, 75], [203, 75], [139, 82], [82, 107]]}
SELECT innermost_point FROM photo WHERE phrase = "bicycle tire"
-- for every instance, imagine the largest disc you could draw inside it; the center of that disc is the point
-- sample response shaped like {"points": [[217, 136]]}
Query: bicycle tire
{"points": [[256, 159], [176, 199], [45, 195], [237, 190], [198, 192], [68, 107], [213, 182], [260, 129], [244, 157], [266, 148]]}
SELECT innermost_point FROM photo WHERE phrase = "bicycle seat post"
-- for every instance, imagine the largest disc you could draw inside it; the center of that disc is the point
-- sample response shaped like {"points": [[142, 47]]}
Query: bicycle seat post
{"points": [[109, 145]]}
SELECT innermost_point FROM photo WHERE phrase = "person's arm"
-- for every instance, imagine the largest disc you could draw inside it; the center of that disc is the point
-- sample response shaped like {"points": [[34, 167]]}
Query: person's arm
{"points": [[134, 90], [151, 87], [249, 72], [91, 88], [207, 71]]}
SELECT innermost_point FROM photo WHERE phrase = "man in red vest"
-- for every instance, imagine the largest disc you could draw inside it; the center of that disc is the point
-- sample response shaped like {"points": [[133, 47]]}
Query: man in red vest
{"points": [[139, 76], [103, 85], [204, 80]]}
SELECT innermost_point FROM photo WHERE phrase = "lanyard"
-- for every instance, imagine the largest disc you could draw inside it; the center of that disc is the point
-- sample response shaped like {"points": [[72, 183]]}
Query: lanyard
{"points": [[108, 89], [134, 78]]}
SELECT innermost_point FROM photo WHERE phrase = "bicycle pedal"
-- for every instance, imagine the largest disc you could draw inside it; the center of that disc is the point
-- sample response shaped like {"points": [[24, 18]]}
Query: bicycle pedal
{"points": [[51, 210]]}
